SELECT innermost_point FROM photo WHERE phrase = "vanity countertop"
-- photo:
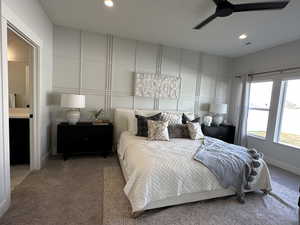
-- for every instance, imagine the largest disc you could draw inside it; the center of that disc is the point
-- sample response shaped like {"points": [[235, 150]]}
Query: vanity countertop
{"points": [[20, 113]]}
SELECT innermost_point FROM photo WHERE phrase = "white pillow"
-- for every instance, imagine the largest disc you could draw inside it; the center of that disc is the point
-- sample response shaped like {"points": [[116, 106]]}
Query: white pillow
{"points": [[172, 117], [195, 131]]}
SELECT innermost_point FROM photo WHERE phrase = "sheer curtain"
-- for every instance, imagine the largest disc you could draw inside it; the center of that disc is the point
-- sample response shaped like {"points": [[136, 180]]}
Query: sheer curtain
{"points": [[241, 134]]}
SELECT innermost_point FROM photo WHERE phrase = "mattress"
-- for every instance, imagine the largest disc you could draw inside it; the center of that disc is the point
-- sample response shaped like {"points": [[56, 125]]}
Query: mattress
{"points": [[162, 173]]}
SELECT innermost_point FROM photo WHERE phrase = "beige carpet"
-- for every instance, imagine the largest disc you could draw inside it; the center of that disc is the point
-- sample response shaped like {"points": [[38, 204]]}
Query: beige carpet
{"points": [[17, 174], [88, 191], [258, 209], [63, 193]]}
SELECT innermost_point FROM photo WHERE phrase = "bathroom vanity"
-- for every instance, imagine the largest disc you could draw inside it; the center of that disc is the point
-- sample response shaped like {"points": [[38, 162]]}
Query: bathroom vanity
{"points": [[19, 135]]}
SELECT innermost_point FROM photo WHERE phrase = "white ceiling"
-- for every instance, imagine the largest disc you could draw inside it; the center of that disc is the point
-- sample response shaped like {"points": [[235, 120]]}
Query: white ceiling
{"points": [[170, 22]]}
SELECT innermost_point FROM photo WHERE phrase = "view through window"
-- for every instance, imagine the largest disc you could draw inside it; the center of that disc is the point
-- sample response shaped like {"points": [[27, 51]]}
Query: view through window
{"points": [[290, 121], [259, 107]]}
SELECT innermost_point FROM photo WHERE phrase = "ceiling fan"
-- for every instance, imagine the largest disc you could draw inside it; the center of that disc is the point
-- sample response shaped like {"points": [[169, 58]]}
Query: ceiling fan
{"points": [[225, 8]]}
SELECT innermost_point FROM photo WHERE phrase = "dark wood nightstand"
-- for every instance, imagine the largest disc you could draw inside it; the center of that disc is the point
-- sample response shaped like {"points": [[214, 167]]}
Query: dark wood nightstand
{"points": [[223, 132], [84, 138]]}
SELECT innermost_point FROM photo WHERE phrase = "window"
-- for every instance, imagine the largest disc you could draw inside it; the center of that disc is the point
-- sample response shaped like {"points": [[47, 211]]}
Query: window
{"points": [[290, 119], [259, 107]]}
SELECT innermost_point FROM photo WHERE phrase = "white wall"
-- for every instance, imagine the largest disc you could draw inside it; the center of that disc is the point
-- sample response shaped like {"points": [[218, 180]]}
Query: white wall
{"points": [[32, 14], [34, 20], [283, 56], [4, 164], [82, 65]]}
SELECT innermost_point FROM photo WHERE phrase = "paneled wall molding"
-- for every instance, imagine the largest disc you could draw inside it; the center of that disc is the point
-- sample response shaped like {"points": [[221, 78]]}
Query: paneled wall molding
{"points": [[121, 94], [215, 97], [65, 90], [135, 70], [179, 75], [80, 64], [102, 67], [108, 78], [198, 87], [158, 71]]}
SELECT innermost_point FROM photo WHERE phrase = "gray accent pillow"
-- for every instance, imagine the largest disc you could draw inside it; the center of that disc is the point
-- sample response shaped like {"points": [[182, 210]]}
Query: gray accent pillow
{"points": [[158, 130], [186, 119], [142, 126], [178, 131]]}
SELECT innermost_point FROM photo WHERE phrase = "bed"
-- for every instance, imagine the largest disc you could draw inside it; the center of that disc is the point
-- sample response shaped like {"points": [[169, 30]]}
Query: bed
{"points": [[164, 173]]}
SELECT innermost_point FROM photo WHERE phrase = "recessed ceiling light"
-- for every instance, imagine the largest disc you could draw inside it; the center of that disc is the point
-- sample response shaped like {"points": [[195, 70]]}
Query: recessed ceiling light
{"points": [[109, 3], [243, 36]]}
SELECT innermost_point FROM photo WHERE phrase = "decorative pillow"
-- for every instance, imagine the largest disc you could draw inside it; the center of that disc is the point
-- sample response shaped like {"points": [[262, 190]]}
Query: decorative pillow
{"points": [[186, 119], [178, 131], [195, 131], [158, 130], [172, 117], [142, 126]]}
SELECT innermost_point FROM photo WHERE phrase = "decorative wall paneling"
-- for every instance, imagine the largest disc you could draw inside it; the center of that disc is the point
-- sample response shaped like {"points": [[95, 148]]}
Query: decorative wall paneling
{"points": [[102, 67], [158, 71]]}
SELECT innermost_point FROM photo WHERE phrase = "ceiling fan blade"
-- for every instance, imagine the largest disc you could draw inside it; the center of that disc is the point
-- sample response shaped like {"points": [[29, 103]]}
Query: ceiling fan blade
{"points": [[209, 19], [260, 6]]}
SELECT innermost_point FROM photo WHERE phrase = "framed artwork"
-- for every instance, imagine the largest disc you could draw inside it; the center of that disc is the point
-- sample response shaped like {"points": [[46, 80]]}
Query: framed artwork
{"points": [[157, 86]]}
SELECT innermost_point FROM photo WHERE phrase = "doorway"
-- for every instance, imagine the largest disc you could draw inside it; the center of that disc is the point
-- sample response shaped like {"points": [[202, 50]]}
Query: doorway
{"points": [[20, 61]]}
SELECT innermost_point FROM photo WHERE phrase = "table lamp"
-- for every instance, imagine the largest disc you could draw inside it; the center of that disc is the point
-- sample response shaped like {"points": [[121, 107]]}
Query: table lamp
{"points": [[74, 103], [218, 109]]}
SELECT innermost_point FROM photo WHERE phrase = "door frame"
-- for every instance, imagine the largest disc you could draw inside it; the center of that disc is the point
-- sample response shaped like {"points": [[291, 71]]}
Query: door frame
{"points": [[12, 21]]}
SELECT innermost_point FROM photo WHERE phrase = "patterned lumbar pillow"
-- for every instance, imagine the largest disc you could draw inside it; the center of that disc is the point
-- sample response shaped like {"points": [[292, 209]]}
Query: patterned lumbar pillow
{"points": [[158, 130], [172, 117], [142, 126], [186, 119], [178, 131], [195, 131]]}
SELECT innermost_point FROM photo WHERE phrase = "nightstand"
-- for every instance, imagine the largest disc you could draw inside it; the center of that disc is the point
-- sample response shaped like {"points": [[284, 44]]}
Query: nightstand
{"points": [[223, 132], [84, 138]]}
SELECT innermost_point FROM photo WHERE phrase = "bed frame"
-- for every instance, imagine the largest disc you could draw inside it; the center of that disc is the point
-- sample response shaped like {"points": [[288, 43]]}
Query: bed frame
{"points": [[120, 125]]}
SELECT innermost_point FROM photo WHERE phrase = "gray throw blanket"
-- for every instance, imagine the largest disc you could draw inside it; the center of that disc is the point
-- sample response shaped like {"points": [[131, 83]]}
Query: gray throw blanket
{"points": [[234, 166]]}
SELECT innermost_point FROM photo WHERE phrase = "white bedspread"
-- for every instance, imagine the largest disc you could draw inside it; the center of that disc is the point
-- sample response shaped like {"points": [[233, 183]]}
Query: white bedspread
{"points": [[156, 170]]}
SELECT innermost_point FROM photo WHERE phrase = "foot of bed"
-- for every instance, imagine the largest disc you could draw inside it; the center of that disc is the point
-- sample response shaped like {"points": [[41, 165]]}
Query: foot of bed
{"points": [[136, 214]]}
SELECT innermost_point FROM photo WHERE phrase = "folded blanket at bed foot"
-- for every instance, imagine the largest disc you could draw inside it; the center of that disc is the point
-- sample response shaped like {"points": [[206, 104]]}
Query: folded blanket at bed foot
{"points": [[234, 166]]}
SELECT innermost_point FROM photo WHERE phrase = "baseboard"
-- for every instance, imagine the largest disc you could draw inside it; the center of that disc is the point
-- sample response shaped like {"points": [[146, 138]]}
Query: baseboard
{"points": [[4, 206], [282, 165], [44, 159]]}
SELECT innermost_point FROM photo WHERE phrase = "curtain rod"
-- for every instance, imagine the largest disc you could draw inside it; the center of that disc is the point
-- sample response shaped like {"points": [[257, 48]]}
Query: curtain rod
{"points": [[272, 71]]}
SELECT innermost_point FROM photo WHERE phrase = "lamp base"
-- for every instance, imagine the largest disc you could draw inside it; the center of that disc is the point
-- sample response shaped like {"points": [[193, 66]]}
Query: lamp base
{"points": [[207, 120], [73, 116], [218, 120]]}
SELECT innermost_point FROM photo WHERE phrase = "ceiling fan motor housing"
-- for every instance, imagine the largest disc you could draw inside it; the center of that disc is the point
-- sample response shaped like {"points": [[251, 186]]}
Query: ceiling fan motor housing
{"points": [[224, 9]]}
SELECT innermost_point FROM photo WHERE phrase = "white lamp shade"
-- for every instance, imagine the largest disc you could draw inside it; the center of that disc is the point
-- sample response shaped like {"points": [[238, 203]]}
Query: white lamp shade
{"points": [[72, 101], [218, 108]]}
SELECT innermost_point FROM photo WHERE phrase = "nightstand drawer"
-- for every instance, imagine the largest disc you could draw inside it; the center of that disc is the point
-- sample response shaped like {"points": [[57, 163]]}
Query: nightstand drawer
{"points": [[223, 132], [84, 138]]}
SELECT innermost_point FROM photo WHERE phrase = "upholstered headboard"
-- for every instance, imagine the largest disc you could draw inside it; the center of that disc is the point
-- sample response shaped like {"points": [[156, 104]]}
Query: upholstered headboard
{"points": [[121, 119]]}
